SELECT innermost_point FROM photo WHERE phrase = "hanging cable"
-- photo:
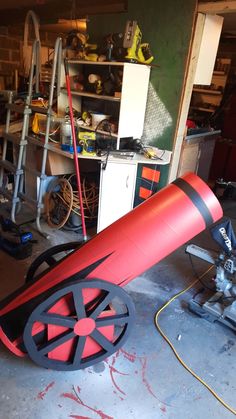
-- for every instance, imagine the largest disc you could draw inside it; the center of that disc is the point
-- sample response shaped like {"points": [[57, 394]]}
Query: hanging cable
{"points": [[61, 200]]}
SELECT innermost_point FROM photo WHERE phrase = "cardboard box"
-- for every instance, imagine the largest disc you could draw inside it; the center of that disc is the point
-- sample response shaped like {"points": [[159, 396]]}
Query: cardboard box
{"points": [[56, 164]]}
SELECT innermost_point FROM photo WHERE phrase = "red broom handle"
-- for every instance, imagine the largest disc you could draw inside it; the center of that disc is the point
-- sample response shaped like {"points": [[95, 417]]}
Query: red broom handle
{"points": [[77, 171]]}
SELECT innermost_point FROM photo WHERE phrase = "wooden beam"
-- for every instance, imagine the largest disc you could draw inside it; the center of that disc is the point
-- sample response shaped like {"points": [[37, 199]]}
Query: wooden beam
{"points": [[217, 7], [180, 133], [51, 11]]}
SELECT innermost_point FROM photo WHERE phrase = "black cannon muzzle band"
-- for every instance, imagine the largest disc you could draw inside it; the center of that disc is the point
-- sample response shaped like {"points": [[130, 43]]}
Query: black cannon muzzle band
{"points": [[196, 199]]}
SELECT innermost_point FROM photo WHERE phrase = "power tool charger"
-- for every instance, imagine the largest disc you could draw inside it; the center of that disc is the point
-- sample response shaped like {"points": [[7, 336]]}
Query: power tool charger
{"points": [[14, 241]]}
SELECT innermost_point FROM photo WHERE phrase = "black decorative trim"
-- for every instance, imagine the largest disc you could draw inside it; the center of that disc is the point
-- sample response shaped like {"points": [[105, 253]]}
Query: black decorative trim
{"points": [[196, 199]]}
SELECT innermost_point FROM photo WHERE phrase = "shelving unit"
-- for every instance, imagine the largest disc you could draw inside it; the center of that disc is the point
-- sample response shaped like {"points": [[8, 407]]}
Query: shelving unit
{"points": [[127, 106], [207, 91], [93, 95], [206, 99], [117, 175], [199, 108]]}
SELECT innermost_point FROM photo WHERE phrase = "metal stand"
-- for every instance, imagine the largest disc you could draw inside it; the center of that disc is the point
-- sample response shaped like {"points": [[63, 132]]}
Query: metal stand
{"points": [[24, 140]]}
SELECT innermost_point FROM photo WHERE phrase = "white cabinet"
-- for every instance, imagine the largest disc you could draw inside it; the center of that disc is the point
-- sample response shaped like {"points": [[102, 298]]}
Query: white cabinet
{"points": [[127, 106], [116, 194], [208, 48], [197, 153]]}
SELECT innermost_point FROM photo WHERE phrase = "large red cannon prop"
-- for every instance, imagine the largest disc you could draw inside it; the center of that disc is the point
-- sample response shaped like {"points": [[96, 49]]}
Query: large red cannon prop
{"points": [[76, 312]]}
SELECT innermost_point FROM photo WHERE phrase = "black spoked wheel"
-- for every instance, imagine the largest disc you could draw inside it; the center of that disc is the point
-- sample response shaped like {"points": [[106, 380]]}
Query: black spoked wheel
{"points": [[49, 258], [63, 333]]}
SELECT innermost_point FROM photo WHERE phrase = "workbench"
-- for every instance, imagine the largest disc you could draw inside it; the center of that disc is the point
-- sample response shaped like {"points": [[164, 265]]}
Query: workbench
{"points": [[125, 181]]}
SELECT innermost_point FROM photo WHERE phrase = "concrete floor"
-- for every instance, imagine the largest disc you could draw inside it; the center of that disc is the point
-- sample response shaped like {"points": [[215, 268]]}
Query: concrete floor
{"points": [[143, 379]]}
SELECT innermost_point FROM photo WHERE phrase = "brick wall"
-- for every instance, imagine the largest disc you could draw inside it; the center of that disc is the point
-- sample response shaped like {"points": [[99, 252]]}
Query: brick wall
{"points": [[11, 40], [9, 58]]}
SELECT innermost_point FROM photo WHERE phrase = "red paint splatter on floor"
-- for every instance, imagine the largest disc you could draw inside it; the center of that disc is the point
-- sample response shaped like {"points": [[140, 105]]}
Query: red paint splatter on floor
{"points": [[71, 396], [144, 379], [132, 357], [76, 398], [112, 370], [43, 393], [129, 356]]}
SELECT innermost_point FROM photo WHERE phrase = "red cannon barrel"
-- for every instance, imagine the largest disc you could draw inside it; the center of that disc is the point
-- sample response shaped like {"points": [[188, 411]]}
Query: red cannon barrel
{"points": [[122, 251]]}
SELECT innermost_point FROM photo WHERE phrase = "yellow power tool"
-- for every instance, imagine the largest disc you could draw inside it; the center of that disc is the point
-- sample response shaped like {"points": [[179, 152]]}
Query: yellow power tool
{"points": [[87, 141], [136, 51]]}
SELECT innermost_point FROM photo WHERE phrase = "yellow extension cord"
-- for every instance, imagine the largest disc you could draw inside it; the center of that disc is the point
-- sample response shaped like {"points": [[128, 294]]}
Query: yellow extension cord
{"points": [[174, 350]]}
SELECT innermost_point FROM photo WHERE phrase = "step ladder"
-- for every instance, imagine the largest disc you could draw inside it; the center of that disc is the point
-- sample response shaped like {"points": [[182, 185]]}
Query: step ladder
{"points": [[25, 140], [18, 142]]}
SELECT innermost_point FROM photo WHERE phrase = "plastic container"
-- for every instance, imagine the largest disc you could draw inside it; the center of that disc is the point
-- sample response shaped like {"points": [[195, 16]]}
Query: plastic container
{"points": [[40, 122], [66, 133], [98, 117]]}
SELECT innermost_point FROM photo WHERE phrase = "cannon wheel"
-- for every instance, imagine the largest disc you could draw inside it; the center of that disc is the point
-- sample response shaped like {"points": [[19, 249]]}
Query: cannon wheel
{"points": [[50, 257], [87, 334]]}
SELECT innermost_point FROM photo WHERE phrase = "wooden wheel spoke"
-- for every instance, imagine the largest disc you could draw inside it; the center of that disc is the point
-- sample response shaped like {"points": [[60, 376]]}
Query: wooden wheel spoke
{"points": [[55, 342], [102, 341], [50, 260], [102, 304], [57, 320], [116, 320], [79, 303], [79, 351]]}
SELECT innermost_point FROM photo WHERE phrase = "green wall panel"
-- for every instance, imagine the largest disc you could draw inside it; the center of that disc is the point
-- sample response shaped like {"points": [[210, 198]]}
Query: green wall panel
{"points": [[167, 26]]}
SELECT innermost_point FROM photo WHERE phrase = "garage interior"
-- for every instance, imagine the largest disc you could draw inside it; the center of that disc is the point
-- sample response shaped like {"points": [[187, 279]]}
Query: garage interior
{"points": [[127, 97]]}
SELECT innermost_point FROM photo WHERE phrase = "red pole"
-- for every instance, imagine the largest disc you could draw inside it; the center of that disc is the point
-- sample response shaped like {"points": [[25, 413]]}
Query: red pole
{"points": [[77, 171]]}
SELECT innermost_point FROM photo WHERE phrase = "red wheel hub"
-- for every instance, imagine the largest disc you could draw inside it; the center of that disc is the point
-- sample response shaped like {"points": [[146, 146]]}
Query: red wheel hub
{"points": [[84, 327]]}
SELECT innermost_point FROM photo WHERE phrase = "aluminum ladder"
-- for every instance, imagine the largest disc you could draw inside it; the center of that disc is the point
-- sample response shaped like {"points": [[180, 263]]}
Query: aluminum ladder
{"points": [[25, 140], [7, 167]]}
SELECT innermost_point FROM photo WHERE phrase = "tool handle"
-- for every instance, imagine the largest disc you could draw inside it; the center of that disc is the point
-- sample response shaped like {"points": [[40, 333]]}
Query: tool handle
{"points": [[77, 170], [66, 66]]}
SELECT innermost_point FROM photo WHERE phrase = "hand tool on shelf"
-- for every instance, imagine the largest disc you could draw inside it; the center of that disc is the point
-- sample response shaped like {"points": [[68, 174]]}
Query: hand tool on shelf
{"points": [[136, 50]]}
